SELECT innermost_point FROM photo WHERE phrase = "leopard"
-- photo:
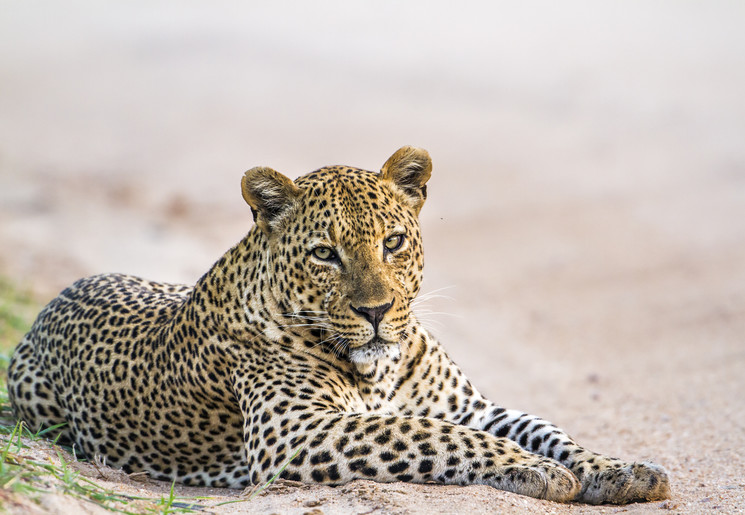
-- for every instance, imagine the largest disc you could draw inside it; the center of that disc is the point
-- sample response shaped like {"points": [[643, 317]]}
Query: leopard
{"points": [[297, 355]]}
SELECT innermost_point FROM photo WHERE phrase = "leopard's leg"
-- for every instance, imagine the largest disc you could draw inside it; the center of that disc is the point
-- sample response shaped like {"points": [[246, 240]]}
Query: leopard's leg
{"points": [[336, 448], [31, 394], [310, 433], [604, 479]]}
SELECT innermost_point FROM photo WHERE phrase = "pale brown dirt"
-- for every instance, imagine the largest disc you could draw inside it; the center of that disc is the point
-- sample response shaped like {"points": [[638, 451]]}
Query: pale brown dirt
{"points": [[586, 215]]}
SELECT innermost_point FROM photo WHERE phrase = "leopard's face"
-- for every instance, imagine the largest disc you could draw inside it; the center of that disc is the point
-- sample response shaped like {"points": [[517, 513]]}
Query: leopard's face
{"points": [[349, 262], [344, 254]]}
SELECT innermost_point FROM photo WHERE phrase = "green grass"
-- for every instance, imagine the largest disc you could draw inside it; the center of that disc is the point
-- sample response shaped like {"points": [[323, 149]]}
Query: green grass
{"points": [[18, 309], [17, 312], [23, 480], [29, 479]]}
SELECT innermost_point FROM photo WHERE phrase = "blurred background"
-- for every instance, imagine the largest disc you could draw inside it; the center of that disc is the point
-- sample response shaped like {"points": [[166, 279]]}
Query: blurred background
{"points": [[586, 217], [585, 228]]}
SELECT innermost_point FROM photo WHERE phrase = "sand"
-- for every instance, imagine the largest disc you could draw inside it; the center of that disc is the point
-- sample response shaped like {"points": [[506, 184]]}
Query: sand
{"points": [[585, 228]]}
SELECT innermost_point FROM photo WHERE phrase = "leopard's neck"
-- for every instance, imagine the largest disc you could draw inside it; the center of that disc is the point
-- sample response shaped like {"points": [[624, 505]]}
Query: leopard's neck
{"points": [[237, 295]]}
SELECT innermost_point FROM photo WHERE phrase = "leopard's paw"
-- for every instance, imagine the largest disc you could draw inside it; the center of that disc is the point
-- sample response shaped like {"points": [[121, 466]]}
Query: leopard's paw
{"points": [[544, 479], [561, 484], [627, 483]]}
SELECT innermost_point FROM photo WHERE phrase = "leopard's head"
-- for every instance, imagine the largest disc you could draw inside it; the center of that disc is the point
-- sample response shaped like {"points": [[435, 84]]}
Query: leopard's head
{"points": [[343, 251]]}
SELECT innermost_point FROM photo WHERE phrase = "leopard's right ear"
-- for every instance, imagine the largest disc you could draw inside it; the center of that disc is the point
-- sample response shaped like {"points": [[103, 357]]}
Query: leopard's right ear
{"points": [[270, 194], [409, 169]]}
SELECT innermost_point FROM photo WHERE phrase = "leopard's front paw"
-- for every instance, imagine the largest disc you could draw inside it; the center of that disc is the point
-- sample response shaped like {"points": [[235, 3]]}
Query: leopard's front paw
{"points": [[625, 483], [542, 479]]}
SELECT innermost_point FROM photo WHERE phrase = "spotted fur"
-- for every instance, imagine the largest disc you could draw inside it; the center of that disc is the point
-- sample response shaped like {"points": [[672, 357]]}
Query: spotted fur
{"points": [[300, 341]]}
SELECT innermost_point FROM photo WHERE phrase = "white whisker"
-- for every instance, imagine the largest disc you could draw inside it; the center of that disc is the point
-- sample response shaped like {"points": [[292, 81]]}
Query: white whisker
{"points": [[424, 313], [314, 325], [423, 297]]}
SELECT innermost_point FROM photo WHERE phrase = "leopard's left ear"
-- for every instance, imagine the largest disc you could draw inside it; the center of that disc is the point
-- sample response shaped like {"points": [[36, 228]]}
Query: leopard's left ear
{"points": [[409, 170], [270, 195]]}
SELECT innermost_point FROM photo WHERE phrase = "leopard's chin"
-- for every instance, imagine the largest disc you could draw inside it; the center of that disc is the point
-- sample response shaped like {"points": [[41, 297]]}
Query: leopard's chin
{"points": [[374, 350]]}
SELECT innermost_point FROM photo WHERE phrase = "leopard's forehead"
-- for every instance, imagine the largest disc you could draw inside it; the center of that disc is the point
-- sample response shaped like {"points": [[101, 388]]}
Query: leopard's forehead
{"points": [[350, 202], [338, 181]]}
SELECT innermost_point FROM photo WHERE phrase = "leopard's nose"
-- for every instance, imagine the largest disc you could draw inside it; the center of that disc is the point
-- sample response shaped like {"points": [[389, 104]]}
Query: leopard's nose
{"points": [[372, 314]]}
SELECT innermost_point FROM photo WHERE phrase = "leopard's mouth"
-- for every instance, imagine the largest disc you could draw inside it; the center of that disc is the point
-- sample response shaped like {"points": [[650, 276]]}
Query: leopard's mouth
{"points": [[373, 350]]}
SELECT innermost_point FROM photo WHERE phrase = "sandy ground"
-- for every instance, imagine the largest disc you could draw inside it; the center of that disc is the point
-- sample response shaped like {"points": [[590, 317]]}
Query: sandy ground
{"points": [[586, 220]]}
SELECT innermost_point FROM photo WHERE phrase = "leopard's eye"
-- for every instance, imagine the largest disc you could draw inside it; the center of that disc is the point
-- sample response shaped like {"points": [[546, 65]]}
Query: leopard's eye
{"points": [[324, 254], [394, 242]]}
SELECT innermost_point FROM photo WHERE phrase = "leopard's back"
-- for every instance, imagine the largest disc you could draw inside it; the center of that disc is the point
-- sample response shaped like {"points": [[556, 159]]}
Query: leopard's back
{"points": [[105, 322]]}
